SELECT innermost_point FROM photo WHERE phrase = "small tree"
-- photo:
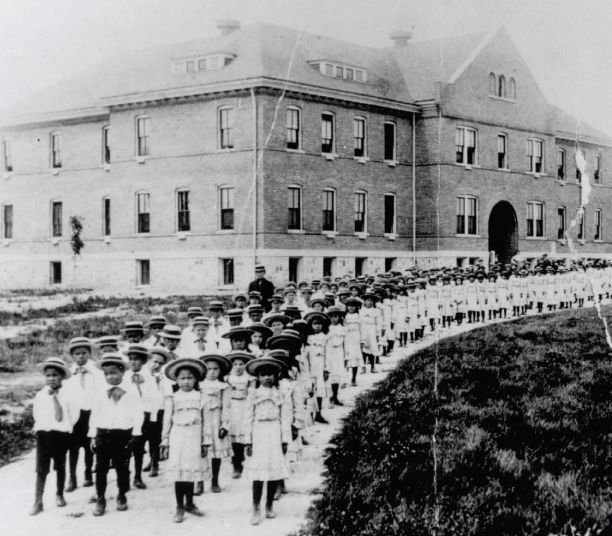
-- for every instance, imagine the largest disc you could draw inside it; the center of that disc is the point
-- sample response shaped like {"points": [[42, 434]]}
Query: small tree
{"points": [[76, 224]]}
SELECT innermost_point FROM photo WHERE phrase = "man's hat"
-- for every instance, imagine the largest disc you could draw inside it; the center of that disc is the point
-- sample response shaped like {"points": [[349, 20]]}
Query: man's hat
{"points": [[260, 268], [157, 321], [240, 297], [292, 311], [215, 305], [107, 340], [255, 309], [57, 363], [194, 311], [201, 321], [277, 298], [80, 342], [234, 313], [196, 366], [171, 332]]}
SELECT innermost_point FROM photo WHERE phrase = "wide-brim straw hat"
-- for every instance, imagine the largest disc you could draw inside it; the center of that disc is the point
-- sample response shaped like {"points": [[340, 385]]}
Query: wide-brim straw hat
{"points": [[185, 362], [239, 355], [139, 350], [258, 327], [314, 301], [80, 342], [254, 366], [238, 332], [276, 317], [223, 363], [133, 327], [357, 302], [112, 359], [159, 350], [171, 332], [311, 317], [56, 363]]}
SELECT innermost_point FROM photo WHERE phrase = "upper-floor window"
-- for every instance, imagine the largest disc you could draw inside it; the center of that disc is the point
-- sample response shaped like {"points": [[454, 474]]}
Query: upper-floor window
{"points": [[143, 201], [294, 204], [501, 86], [512, 89], [561, 223], [580, 219], [361, 207], [56, 218], [226, 128], [359, 136], [534, 155], [293, 128], [56, 157], [7, 157], [389, 141], [327, 133], [467, 215], [106, 216], [597, 235], [535, 219], [336, 70], [7, 221], [142, 136], [492, 84], [561, 164], [329, 209], [226, 204], [106, 153], [390, 214], [502, 151], [202, 63], [597, 169], [183, 215], [465, 146], [227, 274]]}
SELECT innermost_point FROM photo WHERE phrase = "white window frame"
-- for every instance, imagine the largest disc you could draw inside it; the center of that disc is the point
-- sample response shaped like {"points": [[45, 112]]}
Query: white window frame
{"points": [[502, 136], [393, 232], [230, 197], [55, 150], [61, 220], [562, 156], [531, 209], [3, 207], [532, 144], [51, 282], [461, 134], [511, 89], [290, 197], [597, 169], [363, 121], [138, 213], [598, 214], [299, 128], [332, 150], [466, 199], [394, 125], [335, 212], [139, 267], [230, 128], [7, 156], [492, 84], [562, 237], [104, 216], [106, 158], [222, 283], [180, 191], [356, 197], [139, 151]]}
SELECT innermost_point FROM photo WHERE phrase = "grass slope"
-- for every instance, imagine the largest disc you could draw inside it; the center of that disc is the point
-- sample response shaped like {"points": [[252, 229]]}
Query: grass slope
{"points": [[523, 438]]}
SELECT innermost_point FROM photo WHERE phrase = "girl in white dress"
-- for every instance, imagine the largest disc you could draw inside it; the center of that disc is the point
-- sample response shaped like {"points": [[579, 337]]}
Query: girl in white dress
{"points": [[184, 434], [334, 351], [268, 432], [315, 356], [352, 340]]}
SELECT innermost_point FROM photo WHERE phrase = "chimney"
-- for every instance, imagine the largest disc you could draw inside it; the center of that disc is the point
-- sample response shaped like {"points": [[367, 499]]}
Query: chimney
{"points": [[227, 26], [401, 37]]}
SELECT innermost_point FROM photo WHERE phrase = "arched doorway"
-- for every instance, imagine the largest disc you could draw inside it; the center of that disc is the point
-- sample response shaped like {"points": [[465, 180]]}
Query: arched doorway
{"points": [[503, 232]]}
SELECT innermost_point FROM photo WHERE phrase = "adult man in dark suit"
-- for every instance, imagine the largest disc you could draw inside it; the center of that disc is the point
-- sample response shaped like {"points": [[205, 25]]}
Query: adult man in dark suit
{"points": [[262, 285]]}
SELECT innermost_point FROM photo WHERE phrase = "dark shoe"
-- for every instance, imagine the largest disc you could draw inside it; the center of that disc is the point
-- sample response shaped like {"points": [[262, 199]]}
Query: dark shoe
{"points": [[305, 442], [37, 508], [320, 419], [215, 488], [270, 513], [122, 505], [353, 383], [138, 483], [194, 510], [87, 483], [236, 473], [179, 515], [72, 484], [256, 517], [277, 495], [199, 488], [338, 403], [60, 501], [100, 508], [154, 472], [147, 468]]}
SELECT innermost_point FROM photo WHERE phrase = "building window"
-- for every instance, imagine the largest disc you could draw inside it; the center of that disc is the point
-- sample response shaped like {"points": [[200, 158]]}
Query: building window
{"points": [[359, 135], [144, 212], [329, 210], [294, 268], [467, 215], [294, 221], [143, 272], [534, 155], [597, 169], [389, 141], [182, 205], [390, 218], [501, 86], [465, 146], [561, 164], [389, 263], [327, 133], [561, 223], [7, 158], [328, 266], [492, 84], [512, 89], [502, 151], [578, 175], [359, 265], [226, 128], [581, 225], [293, 128], [106, 154], [360, 212], [7, 221], [142, 136], [56, 218], [106, 216], [56, 273], [227, 268], [535, 219], [56, 157], [226, 204], [597, 215]]}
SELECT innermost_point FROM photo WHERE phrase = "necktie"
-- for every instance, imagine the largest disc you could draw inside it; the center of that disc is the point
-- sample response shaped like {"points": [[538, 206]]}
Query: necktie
{"points": [[115, 393], [59, 413], [158, 379], [138, 379], [82, 372], [202, 345]]}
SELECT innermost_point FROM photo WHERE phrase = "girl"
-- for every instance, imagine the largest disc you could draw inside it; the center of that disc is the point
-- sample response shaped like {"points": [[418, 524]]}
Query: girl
{"points": [[352, 339], [239, 338], [334, 351], [371, 329], [217, 411], [268, 431], [276, 322], [240, 383], [315, 356], [184, 441], [259, 338]]}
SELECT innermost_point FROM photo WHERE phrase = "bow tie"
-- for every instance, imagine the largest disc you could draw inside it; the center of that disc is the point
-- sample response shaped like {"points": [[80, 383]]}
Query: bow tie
{"points": [[138, 379], [115, 393]]}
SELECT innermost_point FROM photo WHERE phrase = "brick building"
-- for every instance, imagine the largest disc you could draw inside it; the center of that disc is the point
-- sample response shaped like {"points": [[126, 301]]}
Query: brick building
{"points": [[187, 163]]}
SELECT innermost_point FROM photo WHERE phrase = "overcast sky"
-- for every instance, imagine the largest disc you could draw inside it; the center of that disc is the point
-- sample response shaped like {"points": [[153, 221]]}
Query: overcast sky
{"points": [[567, 43]]}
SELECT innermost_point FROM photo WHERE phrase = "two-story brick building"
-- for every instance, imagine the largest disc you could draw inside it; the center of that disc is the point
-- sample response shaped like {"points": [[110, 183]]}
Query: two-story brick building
{"points": [[187, 163]]}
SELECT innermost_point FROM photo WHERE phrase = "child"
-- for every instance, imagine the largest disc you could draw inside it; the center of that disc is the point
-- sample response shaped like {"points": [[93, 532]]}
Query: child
{"points": [[370, 329], [115, 425], [171, 335], [198, 343], [276, 322], [239, 339], [259, 338], [239, 382], [267, 433], [315, 356], [352, 340], [156, 325], [217, 411], [55, 413], [183, 436], [108, 344], [334, 351]]}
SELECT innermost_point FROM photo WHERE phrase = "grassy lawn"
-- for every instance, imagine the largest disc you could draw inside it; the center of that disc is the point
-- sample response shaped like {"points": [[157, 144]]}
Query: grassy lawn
{"points": [[523, 427]]}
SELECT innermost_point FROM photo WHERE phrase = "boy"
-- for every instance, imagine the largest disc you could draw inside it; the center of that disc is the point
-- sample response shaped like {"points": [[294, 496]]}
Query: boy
{"points": [[192, 313], [55, 413], [107, 344], [115, 425], [218, 325], [199, 344], [171, 335], [156, 325], [85, 381]]}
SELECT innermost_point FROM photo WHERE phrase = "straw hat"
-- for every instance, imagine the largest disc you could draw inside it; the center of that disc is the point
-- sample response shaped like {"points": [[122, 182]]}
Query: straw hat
{"points": [[196, 366], [57, 363]]}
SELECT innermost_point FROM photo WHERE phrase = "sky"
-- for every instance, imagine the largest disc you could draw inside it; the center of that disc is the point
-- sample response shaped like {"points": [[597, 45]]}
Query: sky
{"points": [[566, 43]]}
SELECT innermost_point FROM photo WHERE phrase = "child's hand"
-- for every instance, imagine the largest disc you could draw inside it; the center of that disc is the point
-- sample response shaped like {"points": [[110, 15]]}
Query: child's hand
{"points": [[222, 433], [294, 432], [325, 375], [163, 452], [248, 450], [204, 451], [284, 447], [92, 445]]}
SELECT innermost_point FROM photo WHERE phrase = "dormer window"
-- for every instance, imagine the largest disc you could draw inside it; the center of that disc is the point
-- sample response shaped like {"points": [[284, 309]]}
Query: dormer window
{"points": [[339, 70], [201, 63]]}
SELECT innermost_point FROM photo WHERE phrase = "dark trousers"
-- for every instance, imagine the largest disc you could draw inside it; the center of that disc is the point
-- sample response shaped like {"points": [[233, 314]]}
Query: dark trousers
{"points": [[238, 457], [112, 446], [51, 445], [79, 440], [153, 436], [139, 445]]}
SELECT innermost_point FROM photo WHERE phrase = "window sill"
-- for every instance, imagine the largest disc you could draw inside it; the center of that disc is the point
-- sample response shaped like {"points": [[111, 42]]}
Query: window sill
{"points": [[106, 167], [598, 241], [143, 286], [299, 151], [362, 236], [504, 99], [141, 159], [582, 241], [7, 242], [226, 150], [225, 231], [329, 156], [503, 169], [55, 240], [182, 235], [106, 239], [54, 171], [469, 167], [7, 175], [536, 175], [330, 234], [361, 159], [296, 231], [536, 238], [390, 236], [465, 235], [561, 182], [562, 241], [391, 163]]}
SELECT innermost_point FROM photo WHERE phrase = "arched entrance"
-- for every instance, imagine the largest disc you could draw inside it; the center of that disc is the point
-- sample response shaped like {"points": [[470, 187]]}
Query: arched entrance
{"points": [[503, 232]]}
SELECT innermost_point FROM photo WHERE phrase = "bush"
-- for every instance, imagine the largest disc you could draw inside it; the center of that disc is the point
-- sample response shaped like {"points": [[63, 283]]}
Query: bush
{"points": [[16, 436], [523, 439]]}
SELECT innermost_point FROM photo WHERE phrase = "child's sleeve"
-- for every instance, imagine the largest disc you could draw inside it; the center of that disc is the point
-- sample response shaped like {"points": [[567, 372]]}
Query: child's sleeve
{"points": [[138, 410], [286, 416], [249, 417], [226, 404], [299, 410], [93, 418], [167, 425], [36, 413]]}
